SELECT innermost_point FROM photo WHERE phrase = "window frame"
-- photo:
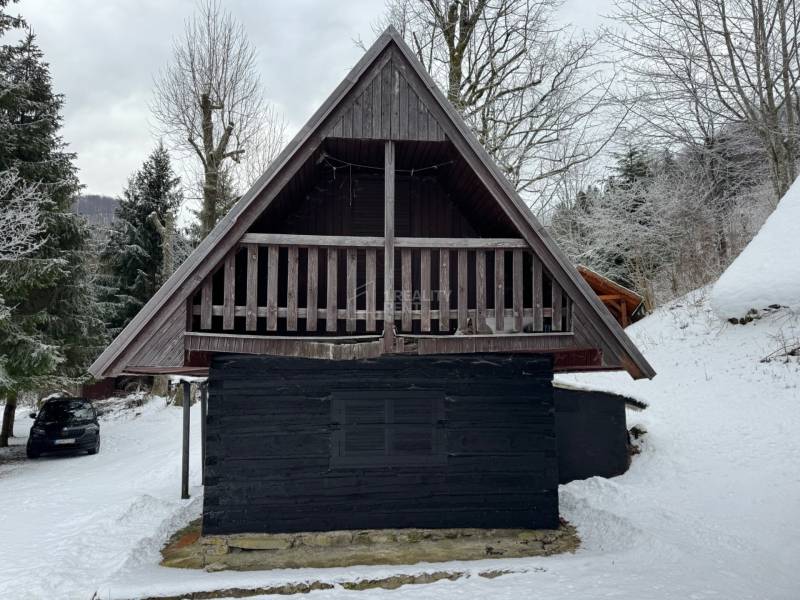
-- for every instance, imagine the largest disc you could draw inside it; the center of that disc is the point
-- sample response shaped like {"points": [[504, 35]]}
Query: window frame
{"points": [[438, 454]]}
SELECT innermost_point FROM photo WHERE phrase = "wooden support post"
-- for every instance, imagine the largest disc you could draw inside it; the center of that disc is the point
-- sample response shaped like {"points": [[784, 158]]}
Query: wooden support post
{"points": [[203, 413], [388, 245], [187, 397]]}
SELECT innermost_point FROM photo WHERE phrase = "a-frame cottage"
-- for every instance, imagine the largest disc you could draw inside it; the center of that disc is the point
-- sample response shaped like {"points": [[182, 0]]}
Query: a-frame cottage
{"points": [[380, 318]]}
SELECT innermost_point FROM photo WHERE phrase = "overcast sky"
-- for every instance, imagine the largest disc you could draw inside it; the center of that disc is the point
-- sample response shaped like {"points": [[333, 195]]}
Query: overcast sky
{"points": [[104, 53]]}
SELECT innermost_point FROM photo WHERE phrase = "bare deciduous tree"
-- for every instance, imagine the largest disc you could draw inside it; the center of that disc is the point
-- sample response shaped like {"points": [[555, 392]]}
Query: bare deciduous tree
{"points": [[533, 93], [209, 99], [705, 64]]}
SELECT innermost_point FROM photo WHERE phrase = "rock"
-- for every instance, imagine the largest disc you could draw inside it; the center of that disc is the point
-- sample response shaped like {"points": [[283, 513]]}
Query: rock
{"points": [[260, 542], [326, 539], [191, 561]]}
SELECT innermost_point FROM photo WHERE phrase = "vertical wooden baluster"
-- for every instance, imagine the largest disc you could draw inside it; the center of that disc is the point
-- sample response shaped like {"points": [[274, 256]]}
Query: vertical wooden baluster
{"points": [[444, 290], [229, 292], [351, 289], [499, 289], [406, 291], [556, 305], [331, 307], [462, 290], [370, 287], [291, 289], [517, 290], [251, 309], [425, 290], [480, 291], [568, 315], [538, 317], [272, 288], [311, 295], [205, 303]]}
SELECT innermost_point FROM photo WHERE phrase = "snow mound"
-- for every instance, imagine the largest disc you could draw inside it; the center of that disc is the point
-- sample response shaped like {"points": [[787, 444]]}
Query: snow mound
{"points": [[767, 271]]}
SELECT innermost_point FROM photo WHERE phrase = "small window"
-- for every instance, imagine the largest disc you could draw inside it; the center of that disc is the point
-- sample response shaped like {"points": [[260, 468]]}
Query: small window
{"points": [[383, 428]]}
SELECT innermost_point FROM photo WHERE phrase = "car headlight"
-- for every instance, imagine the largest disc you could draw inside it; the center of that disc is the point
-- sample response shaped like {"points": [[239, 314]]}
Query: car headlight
{"points": [[37, 431]]}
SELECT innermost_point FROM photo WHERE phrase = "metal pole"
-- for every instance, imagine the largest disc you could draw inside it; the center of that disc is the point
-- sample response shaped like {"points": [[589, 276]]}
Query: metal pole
{"points": [[187, 387], [203, 412]]}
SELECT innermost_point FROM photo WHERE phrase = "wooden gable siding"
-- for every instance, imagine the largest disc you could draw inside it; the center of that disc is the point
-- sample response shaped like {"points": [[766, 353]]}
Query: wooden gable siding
{"points": [[384, 106], [165, 346]]}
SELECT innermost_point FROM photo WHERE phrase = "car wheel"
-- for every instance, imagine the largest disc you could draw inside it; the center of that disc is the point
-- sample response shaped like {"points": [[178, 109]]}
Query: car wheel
{"points": [[31, 453], [96, 448]]}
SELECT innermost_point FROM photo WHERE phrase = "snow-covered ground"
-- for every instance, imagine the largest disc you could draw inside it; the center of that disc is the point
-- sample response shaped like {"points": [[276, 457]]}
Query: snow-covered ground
{"points": [[709, 509]]}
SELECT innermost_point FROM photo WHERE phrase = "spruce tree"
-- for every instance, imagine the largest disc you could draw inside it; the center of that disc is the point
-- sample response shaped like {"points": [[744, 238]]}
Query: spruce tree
{"points": [[51, 328], [134, 258]]}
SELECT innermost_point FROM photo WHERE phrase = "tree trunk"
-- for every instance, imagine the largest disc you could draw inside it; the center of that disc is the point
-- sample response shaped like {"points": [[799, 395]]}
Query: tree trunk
{"points": [[160, 385], [210, 193], [7, 430]]}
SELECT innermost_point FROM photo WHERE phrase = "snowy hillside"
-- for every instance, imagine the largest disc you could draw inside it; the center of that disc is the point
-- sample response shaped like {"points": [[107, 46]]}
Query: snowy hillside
{"points": [[709, 508], [767, 272]]}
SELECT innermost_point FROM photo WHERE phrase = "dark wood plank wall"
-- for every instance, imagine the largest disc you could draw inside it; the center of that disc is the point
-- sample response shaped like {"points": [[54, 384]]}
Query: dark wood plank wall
{"points": [[268, 453], [592, 434]]}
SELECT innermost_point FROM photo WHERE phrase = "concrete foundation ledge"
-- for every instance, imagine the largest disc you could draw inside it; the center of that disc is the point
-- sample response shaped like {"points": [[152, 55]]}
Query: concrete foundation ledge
{"points": [[260, 551]]}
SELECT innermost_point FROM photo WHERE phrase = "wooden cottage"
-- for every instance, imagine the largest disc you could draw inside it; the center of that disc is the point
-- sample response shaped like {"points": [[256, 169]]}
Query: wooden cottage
{"points": [[380, 318]]}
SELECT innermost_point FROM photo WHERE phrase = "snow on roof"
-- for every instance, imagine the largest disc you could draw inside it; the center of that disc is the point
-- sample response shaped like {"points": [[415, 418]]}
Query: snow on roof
{"points": [[768, 270]]}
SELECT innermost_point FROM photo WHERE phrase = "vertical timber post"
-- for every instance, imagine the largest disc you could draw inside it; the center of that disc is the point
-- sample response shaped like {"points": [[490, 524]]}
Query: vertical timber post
{"points": [[388, 247], [203, 412], [187, 399]]}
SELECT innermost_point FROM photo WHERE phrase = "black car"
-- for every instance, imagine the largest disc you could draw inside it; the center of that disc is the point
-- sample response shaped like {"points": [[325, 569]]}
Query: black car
{"points": [[64, 424]]}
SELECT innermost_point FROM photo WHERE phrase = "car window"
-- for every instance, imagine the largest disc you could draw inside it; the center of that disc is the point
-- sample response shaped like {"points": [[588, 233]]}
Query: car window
{"points": [[67, 411]]}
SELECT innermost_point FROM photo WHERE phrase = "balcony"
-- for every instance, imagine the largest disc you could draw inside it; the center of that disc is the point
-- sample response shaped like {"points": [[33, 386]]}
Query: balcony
{"points": [[319, 289]]}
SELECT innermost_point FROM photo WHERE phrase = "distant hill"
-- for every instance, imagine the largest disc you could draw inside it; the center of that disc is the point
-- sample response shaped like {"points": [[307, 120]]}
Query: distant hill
{"points": [[98, 210]]}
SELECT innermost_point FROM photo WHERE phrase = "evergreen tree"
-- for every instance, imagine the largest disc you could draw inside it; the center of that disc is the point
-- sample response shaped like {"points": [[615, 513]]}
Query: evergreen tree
{"points": [[134, 258], [52, 327]]}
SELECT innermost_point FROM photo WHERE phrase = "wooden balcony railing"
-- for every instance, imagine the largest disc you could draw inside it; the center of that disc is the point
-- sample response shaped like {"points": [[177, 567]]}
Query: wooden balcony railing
{"points": [[334, 284]]}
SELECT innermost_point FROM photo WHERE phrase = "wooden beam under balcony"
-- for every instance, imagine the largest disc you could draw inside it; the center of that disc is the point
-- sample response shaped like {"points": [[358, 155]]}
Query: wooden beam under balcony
{"points": [[332, 348]]}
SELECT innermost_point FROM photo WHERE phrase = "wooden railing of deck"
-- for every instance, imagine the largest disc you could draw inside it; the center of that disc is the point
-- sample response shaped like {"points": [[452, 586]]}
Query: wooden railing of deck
{"points": [[418, 301]]}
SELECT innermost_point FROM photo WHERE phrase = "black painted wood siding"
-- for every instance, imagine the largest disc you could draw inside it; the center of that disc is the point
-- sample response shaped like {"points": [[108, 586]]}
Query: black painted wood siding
{"points": [[592, 434], [269, 433]]}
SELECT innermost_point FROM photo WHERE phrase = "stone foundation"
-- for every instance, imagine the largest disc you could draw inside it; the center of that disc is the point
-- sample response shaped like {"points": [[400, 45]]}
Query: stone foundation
{"points": [[243, 552]]}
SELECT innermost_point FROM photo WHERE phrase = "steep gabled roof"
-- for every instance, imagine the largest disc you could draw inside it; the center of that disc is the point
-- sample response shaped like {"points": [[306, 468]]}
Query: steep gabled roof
{"points": [[596, 324]]}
